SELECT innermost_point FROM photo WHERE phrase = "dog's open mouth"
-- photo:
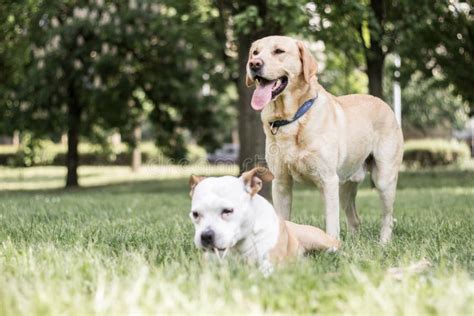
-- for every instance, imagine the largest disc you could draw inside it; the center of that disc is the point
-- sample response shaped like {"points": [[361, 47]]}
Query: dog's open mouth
{"points": [[267, 90], [277, 85]]}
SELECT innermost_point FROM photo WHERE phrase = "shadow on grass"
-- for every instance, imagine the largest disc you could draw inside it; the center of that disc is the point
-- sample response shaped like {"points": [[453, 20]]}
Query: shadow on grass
{"points": [[170, 186], [41, 178], [407, 180], [431, 179], [436, 179]]}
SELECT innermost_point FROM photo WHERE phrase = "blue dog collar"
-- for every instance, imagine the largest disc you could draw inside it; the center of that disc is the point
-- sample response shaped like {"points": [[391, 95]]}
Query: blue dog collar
{"points": [[275, 125]]}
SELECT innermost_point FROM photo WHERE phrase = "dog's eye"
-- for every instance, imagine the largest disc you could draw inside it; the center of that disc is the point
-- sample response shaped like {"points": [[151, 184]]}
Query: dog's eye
{"points": [[195, 214], [227, 211], [278, 51], [255, 52]]}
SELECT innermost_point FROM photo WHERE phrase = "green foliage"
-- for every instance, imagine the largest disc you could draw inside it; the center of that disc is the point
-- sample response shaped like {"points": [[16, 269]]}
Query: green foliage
{"points": [[271, 17], [432, 37], [246, 20], [174, 62], [196, 154], [14, 53], [340, 76], [35, 152], [440, 44], [32, 152], [338, 26], [109, 61], [427, 104], [434, 152]]}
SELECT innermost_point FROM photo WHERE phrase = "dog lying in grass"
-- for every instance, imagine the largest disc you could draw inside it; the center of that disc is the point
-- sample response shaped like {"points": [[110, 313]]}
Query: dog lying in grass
{"points": [[229, 216]]}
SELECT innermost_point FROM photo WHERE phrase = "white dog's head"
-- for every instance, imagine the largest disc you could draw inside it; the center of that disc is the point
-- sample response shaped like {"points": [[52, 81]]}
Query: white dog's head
{"points": [[221, 208]]}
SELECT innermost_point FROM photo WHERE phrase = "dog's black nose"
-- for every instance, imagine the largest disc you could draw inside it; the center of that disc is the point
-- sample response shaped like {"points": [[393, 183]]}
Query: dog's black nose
{"points": [[255, 64], [207, 238]]}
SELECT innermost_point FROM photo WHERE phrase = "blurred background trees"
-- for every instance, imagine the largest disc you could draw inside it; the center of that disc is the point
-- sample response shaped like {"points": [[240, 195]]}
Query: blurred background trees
{"points": [[93, 66], [174, 71]]}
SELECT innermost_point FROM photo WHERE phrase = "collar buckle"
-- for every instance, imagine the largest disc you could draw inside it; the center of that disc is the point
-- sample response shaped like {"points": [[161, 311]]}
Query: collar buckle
{"points": [[274, 129]]}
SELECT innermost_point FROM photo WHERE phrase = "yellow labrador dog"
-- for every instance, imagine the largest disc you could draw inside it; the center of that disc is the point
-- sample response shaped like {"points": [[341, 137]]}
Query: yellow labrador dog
{"points": [[315, 137]]}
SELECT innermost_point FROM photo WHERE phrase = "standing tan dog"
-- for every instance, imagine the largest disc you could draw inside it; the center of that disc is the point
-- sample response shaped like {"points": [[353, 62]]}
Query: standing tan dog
{"points": [[315, 137]]}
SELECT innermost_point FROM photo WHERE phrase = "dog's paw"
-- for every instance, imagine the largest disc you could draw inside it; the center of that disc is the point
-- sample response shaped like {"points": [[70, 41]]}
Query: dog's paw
{"points": [[332, 250]]}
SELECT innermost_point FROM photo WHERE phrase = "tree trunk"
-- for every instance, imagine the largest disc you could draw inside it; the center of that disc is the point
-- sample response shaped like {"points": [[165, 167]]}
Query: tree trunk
{"points": [[374, 55], [375, 63], [251, 135], [252, 138], [72, 157], [136, 151]]}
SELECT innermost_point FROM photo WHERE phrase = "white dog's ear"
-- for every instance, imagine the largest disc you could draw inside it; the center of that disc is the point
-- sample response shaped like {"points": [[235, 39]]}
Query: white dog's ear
{"points": [[253, 179], [193, 181], [308, 63]]}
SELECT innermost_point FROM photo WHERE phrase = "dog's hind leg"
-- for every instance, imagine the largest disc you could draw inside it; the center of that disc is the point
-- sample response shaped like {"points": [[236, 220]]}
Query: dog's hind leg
{"points": [[384, 174], [347, 196], [385, 180], [312, 238]]}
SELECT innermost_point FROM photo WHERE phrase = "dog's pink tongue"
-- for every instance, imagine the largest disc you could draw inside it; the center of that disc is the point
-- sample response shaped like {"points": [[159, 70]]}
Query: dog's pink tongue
{"points": [[262, 96]]}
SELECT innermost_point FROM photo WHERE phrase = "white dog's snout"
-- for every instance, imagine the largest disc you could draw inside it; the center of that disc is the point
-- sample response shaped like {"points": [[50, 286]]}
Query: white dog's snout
{"points": [[208, 238]]}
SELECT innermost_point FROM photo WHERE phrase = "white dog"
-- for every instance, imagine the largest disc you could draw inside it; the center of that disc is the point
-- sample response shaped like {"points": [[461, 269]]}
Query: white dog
{"points": [[229, 216]]}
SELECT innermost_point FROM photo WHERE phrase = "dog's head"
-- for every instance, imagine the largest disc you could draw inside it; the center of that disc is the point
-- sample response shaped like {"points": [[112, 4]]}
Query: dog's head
{"points": [[278, 64], [221, 208]]}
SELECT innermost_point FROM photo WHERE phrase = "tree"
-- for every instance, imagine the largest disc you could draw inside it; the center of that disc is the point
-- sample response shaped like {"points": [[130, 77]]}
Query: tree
{"points": [[249, 17], [13, 55], [370, 28], [430, 36], [194, 98], [243, 23], [87, 59], [428, 104], [341, 75], [440, 47], [62, 88]]}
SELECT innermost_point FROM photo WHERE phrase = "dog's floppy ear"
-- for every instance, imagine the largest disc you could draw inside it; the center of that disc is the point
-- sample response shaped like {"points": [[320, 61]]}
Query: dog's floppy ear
{"points": [[253, 179], [308, 63], [193, 181], [248, 80]]}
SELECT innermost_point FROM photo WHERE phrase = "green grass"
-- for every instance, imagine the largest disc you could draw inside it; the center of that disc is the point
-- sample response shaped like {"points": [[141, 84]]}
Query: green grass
{"points": [[123, 245]]}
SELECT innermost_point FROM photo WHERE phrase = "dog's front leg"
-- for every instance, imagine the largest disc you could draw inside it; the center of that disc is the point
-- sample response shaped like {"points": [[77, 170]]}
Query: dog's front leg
{"points": [[282, 193], [330, 190]]}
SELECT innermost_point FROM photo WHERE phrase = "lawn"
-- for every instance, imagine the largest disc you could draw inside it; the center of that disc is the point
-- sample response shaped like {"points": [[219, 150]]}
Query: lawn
{"points": [[123, 245]]}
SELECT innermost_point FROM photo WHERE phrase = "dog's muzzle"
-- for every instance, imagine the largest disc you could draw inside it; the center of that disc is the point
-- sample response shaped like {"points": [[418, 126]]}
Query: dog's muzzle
{"points": [[208, 238], [255, 65]]}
